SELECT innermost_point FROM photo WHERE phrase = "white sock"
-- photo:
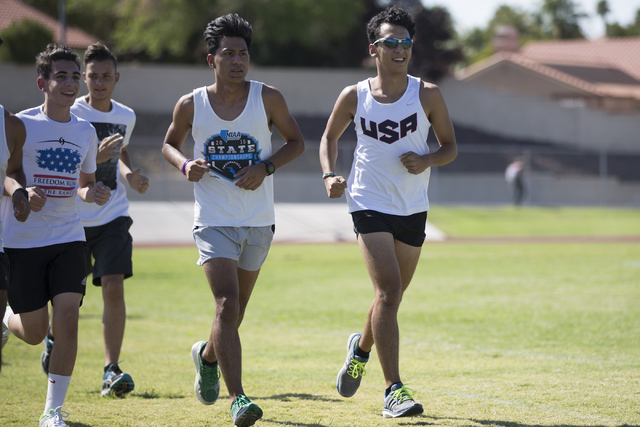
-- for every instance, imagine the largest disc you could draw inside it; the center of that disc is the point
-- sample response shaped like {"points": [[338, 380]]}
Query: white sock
{"points": [[56, 391], [5, 319]]}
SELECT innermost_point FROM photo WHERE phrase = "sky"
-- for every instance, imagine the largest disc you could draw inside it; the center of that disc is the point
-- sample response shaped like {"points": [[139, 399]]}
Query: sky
{"points": [[468, 14]]}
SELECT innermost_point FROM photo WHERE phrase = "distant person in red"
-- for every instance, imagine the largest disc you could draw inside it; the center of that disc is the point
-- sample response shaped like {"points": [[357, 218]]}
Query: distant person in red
{"points": [[513, 175]]}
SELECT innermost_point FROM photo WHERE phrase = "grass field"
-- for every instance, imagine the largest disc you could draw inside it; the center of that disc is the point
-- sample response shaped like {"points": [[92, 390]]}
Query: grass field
{"points": [[512, 335]]}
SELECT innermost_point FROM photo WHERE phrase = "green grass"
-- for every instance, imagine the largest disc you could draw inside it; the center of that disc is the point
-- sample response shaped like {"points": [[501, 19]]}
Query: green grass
{"points": [[512, 335], [535, 221]]}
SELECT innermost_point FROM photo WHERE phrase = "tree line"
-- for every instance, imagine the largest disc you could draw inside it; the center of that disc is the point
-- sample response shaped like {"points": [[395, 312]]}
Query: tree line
{"points": [[294, 33]]}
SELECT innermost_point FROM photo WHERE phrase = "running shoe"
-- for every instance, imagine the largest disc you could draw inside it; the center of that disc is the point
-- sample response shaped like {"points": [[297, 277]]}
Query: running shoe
{"points": [[399, 403], [5, 334], [115, 382], [46, 353], [353, 370], [54, 418], [244, 412], [207, 385]]}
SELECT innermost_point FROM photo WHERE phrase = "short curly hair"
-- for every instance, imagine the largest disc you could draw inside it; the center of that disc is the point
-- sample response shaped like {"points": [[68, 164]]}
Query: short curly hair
{"points": [[392, 15], [55, 52]]}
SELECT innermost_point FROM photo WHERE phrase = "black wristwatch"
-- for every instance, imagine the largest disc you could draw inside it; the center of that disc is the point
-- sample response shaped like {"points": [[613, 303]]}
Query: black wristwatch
{"points": [[270, 168]]}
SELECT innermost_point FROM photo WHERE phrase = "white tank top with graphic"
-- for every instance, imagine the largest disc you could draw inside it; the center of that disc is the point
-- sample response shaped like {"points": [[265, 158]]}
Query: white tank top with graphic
{"points": [[230, 145], [378, 180], [4, 159]]}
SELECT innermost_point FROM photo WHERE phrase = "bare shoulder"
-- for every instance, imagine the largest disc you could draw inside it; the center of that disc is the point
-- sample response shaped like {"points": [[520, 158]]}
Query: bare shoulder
{"points": [[430, 97], [14, 127], [271, 94]]}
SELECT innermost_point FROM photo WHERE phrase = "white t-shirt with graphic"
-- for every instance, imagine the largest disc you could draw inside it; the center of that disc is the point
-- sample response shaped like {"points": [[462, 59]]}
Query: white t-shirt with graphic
{"points": [[121, 119], [54, 153]]}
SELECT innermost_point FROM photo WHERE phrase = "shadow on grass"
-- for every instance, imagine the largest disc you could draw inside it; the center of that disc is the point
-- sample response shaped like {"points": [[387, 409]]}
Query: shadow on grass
{"points": [[287, 423], [472, 422], [288, 397], [146, 394], [72, 424]]}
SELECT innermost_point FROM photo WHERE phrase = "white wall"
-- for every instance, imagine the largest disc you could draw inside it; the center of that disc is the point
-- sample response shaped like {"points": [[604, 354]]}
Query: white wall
{"points": [[540, 119], [156, 89]]}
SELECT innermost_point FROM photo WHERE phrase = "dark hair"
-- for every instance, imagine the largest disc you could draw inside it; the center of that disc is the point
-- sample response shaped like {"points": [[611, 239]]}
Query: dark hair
{"points": [[54, 52], [99, 52], [392, 15], [231, 25]]}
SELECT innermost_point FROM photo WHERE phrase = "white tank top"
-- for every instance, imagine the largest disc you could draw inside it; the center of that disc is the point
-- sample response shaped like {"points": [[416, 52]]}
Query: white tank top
{"points": [[230, 145], [4, 159], [378, 180]]}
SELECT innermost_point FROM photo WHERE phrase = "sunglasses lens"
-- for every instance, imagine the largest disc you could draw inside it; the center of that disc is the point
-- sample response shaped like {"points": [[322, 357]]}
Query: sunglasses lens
{"points": [[390, 43], [406, 43]]}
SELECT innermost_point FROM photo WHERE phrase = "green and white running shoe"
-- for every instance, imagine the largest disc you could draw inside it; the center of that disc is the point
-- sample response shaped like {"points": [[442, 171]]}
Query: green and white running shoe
{"points": [[54, 418], [207, 385], [6, 332], [244, 412], [353, 370], [46, 353], [399, 403]]}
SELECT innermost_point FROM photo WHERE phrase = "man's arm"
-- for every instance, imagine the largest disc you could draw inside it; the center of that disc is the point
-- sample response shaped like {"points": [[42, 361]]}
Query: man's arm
{"points": [[15, 179], [343, 113], [438, 115], [136, 180], [194, 170], [91, 191], [279, 116]]}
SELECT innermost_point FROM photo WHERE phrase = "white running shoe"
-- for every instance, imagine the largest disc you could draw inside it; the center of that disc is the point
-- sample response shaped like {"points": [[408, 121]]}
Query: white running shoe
{"points": [[54, 418]]}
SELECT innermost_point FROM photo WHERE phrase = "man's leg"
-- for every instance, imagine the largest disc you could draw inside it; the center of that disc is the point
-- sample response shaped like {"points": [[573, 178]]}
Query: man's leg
{"points": [[113, 316], [231, 288], [391, 265], [65, 321]]}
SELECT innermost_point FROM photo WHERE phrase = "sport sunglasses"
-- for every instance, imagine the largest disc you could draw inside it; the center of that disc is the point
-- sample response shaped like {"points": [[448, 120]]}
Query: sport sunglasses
{"points": [[393, 43]]}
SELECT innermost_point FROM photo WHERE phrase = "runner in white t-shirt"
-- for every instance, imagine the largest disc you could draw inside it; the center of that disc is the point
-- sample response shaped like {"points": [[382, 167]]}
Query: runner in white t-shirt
{"points": [[12, 136], [387, 191], [47, 251], [107, 227], [231, 123]]}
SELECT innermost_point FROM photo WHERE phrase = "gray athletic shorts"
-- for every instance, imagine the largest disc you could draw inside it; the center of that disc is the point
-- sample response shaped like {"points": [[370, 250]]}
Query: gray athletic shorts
{"points": [[247, 245]]}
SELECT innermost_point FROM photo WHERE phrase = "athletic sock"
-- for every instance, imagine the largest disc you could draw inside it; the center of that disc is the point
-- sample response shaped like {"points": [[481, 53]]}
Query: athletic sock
{"points": [[205, 362], [388, 390], [361, 353], [56, 391]]}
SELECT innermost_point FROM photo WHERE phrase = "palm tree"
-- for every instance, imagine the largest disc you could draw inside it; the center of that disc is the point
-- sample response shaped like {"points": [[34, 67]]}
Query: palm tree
{"points": [[603, 10]]}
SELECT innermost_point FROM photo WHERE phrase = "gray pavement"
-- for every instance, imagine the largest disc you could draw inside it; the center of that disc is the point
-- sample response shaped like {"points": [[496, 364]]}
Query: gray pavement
{"points": [[158, 223]]}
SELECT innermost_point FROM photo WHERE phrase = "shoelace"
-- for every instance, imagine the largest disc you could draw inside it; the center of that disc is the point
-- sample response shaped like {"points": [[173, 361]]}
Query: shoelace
{"points": [[402, 394], [209, 375], [56, 417], [356, 369], [240, 401]]}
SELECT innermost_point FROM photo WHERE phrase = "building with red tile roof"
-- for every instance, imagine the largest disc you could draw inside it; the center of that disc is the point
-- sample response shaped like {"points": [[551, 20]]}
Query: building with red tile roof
{"points": [[16, 11], [602, 73]]}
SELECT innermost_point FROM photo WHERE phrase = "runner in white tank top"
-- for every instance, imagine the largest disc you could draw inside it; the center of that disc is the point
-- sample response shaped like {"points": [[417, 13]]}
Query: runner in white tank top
{"points": [[387, 191], [232, 165]]}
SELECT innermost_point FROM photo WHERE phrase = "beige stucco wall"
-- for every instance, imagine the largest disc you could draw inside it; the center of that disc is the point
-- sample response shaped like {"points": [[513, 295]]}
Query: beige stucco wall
{"points": [[156, 89], [312, 92]]}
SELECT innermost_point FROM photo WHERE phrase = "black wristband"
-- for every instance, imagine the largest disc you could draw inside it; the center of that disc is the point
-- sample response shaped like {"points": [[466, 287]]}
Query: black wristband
{"points": [[23, 191]]}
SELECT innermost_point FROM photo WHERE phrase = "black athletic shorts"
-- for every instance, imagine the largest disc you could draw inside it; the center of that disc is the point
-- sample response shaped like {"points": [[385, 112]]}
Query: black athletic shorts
{"points": [[4, 272], [110, 244], [407, 229], [39, 274]]}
